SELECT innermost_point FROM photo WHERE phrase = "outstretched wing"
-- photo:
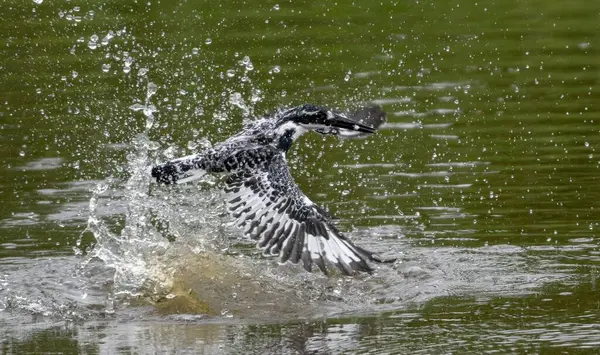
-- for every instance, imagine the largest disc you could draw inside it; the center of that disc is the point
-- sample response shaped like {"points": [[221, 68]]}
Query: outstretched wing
{"points": [[271, 209]]}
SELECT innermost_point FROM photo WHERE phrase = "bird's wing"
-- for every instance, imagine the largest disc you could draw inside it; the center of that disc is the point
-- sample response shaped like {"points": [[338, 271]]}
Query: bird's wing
{"points": [[271, 209], [234, 154], [179, 171]]}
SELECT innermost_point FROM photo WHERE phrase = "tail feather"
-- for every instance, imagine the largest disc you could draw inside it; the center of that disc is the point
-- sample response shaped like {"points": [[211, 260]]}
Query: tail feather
{"points": [[177, 171]]}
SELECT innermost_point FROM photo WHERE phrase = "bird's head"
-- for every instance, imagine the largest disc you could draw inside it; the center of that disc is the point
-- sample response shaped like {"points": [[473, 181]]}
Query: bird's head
{"points": [[294, 122]]}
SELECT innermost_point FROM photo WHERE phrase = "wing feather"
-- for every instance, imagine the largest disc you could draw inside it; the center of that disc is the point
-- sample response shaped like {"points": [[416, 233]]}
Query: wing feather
{"points": [[272, 210]]}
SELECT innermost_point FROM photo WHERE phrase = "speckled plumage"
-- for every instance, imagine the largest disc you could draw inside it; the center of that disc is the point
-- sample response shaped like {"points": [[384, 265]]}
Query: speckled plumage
{"points": [[262, 196]]}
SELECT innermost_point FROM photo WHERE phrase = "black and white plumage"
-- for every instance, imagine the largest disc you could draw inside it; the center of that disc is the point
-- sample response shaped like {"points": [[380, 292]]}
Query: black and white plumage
{"points": [[262, 196]]}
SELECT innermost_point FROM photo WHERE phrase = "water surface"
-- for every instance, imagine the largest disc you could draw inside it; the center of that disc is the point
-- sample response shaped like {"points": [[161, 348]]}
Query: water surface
{"points": [[483, 182]]}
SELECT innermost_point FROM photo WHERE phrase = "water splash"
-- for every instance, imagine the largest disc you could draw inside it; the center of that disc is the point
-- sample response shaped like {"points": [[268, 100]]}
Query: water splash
{"points": [[144, 251], [131, 252]]}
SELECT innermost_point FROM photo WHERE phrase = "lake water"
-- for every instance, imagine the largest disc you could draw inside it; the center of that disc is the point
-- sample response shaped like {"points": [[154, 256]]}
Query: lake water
{"points": [[483, 182]]}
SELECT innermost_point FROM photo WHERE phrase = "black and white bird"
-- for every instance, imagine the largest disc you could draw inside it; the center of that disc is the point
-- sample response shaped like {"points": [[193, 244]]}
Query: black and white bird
{"points": [[262, 195]]}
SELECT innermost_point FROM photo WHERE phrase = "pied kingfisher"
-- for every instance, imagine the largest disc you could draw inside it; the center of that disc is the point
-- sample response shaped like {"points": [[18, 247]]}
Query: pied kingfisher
{"points": [[262, 196]]}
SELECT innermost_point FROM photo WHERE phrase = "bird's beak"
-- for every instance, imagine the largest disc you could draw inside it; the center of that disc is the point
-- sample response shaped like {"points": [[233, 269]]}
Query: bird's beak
{"points": [[338, 121]]}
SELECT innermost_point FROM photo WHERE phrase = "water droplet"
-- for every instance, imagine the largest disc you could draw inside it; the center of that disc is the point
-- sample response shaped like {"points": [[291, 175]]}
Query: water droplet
{"points": [[93, 42], [148, 111], [152, 89], [231, 73], [237, 100], [348, 74], [247, 63], [74, 74], [137, 107], [110, 35], [221, 116], [276, 7], [191, 145], [256, 95], [149, 120], [105, 67], [208, 41], [128, 61], [195, 51], [143, 71], [22, 153], [587, 144], [276, 69], [153, 145], [38, 1]]}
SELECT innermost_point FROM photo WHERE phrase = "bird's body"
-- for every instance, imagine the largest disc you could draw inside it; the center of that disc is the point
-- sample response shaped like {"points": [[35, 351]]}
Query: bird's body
{"points": [[262, 196]]}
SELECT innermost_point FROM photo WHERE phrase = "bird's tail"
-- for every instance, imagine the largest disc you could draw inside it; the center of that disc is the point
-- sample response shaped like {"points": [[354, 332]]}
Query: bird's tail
{"points": [[178, 171]]}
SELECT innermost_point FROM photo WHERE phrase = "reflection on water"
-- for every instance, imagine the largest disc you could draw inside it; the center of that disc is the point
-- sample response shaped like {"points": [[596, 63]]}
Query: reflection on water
{"points": [[483, 181], [547, 321]]}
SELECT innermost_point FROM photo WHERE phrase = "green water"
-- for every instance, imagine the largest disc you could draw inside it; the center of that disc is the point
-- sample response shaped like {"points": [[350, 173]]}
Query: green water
{"points": [[483, 182]]}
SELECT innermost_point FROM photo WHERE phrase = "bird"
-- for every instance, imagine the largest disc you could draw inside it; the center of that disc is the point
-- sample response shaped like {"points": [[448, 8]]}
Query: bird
{"points": [[261, 194]]}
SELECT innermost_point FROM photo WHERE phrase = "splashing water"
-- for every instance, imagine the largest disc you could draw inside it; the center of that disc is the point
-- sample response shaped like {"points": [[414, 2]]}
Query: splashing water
{"points": [[130, 253], [158, 229]]}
